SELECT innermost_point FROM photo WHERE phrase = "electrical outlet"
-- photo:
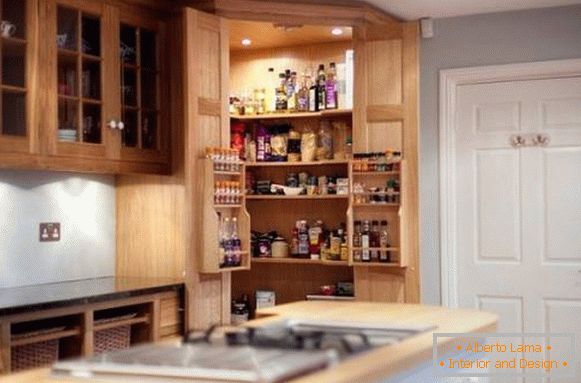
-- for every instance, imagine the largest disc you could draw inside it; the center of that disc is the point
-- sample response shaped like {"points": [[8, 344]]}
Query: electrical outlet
{"points": [[50, 232]]}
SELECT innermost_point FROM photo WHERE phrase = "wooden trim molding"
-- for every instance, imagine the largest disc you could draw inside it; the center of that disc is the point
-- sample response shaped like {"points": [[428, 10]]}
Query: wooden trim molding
{"points": [[450, 80]]}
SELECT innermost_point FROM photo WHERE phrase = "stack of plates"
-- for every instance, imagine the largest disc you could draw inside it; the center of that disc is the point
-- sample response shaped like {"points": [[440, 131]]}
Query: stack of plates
{"points": [[69, 135]]}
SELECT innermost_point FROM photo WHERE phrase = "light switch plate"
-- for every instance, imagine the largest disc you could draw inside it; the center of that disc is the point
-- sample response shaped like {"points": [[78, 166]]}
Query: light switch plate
{"points": [[50, 232]]}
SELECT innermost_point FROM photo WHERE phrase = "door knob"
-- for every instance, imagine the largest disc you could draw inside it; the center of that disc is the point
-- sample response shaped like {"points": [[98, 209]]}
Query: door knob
{"points": [[517, 141], [120, 125], [112, 124], [541, 140]]}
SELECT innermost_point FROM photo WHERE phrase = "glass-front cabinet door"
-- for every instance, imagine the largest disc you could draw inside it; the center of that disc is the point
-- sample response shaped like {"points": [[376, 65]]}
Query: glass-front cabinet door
{"points": [[17, 84], [79, 82], [140, 47]]}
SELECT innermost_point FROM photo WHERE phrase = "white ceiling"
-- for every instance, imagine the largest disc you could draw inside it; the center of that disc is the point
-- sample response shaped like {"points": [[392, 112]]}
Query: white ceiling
{"points": [[415, 9]]}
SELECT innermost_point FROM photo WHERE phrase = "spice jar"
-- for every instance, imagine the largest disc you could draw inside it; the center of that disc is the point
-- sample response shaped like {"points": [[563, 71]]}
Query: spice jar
{"points": [[279, 248]]}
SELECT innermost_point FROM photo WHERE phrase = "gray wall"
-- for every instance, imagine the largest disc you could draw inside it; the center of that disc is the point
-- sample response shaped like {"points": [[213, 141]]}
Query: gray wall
{"points": [[85, 207], [501, 38]]}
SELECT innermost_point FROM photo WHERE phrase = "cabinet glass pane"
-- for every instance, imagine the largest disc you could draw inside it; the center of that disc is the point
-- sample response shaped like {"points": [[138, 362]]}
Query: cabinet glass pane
{"points": [[148, 49], [68, 118], [148, 89], [91, 36], [67, 75], [67, 28], [13, 113], [128, 45], [149, 130], [140, 85], [130, 132], [129, 87], [13, 64], [13, 19], [91, 80], [92, 123]]}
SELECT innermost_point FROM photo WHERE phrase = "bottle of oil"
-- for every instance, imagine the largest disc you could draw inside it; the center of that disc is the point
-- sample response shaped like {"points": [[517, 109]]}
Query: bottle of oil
{"points": [[321, 85], [331, 101], [366, 242]]}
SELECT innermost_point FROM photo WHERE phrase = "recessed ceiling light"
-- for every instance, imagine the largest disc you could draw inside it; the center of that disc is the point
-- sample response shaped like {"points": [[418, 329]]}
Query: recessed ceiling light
{"points": [[246, 42], [336, 31]]}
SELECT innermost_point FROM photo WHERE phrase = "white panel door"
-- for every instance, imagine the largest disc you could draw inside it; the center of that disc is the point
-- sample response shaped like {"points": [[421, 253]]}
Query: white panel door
{"points": [[518, 220]]}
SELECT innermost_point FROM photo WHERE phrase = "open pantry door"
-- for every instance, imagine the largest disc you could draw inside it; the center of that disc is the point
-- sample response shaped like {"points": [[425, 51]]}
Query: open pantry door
{"points": [[206, 66], [385, 116]]}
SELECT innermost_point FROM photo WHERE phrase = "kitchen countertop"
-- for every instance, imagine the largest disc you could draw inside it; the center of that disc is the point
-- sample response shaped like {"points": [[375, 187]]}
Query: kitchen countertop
{"points": [[380, 363], [48, 296]]}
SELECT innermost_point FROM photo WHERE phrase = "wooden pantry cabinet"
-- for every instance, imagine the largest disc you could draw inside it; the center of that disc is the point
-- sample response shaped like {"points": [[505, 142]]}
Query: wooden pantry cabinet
{"points": [[93, 96], [384, 115]]}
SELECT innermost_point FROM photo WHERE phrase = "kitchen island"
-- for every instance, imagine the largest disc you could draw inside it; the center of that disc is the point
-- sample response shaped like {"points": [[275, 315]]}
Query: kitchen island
{"points": [[379, 364]]}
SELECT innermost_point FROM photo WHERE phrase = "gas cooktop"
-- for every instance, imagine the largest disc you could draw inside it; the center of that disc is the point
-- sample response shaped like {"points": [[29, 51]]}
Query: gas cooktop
{"points": [[274, 353]]}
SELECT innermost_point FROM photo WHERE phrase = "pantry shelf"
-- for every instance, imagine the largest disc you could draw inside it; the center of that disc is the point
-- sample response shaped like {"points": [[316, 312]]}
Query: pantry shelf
{"points": [[289, 116], [376, 204], [377, 264], [379, 174], [296, 197], [291, 164], [300, 261]]}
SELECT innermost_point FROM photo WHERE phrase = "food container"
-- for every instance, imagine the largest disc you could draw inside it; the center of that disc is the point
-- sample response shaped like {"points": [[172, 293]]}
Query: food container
{"points": [[279, 248], [327, 289]]}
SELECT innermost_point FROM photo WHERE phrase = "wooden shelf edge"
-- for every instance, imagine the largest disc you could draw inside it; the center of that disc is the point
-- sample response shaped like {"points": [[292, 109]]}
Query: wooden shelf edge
{"points": [[293, 115], [379, 204], [125, 322], [296, 197], [378, 264], [390, 173], [45, 337], [290, 164], [299, 261]]}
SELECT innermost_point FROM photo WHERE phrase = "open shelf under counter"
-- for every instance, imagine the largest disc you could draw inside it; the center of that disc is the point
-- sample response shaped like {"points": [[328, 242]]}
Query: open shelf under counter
{"points": [[258, 197], [299, 261], [18, 341], [294, 115], [123, 322]]}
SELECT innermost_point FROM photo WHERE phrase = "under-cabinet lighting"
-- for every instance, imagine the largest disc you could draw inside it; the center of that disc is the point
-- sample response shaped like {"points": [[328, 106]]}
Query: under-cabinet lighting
{"points": [[336, 31], [246, 42]]}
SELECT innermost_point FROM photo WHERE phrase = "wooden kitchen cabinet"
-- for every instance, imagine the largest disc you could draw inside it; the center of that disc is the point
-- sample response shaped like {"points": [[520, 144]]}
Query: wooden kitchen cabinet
{"points": [[19, 80], [105, 83], [84, 86], [384, 115]]}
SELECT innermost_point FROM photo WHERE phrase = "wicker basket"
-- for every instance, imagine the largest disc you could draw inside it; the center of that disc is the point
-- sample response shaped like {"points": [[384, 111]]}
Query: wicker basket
{"points": [[34, 355], [112, 339]]}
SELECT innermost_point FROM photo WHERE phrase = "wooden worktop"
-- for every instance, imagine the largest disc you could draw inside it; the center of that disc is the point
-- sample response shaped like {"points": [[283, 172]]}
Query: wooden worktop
{"points": [[379, 363]]}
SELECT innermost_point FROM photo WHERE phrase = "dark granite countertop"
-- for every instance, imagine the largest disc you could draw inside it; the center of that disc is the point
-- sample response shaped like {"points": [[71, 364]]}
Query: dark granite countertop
{"points": [[47, 296]]}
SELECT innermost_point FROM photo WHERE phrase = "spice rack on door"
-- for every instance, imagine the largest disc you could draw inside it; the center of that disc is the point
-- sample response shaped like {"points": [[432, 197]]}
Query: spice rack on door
{"points": [[387, 208], [213, 211]]}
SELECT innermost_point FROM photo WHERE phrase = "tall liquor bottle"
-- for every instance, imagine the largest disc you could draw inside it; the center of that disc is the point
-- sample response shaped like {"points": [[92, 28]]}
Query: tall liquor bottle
{"points": [[281, 99], [321, 85], [331, 101], [313, 95], [303, 96]]}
